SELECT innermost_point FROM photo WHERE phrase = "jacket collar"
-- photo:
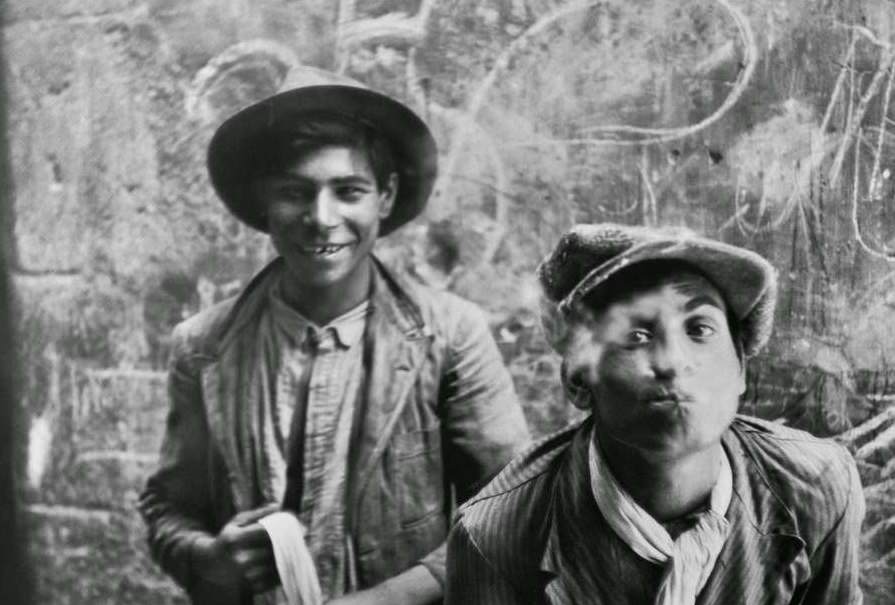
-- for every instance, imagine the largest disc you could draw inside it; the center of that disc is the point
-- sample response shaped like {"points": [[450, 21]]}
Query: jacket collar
{"points": [[390, 300], [764, 536], [764, 531], [345, 330], [397, 341]]}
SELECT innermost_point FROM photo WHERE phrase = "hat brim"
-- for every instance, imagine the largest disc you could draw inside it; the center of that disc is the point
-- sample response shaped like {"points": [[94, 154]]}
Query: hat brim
{"points": [[745, 279], [239, 138]]}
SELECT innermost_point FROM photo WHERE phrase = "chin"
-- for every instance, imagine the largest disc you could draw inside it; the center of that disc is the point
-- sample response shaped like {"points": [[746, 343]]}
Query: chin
{"points": [[329, 279], [312, 274], [667, 442]]}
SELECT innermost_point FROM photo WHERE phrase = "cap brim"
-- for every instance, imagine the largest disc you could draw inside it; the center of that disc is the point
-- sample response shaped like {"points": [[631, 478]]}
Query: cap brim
{"points": [[743, 276], [240, 137]]}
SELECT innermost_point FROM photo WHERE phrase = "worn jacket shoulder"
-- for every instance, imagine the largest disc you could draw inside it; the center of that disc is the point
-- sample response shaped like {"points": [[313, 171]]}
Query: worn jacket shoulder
{"points": [[519, 495], [810, 475], [443, 311], [508, 520], [199, 333]]}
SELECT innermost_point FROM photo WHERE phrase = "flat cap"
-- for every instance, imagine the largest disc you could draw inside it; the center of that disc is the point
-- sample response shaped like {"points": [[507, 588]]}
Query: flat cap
{"points": [[588, 254]]}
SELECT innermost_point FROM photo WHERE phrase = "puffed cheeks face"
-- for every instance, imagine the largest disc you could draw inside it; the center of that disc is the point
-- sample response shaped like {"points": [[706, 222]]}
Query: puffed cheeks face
{"points": [[658, 367]]}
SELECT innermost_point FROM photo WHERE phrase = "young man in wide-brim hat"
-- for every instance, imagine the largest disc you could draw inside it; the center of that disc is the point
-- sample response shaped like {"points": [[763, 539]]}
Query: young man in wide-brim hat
{"points": [[332, 392], [663, 495]]}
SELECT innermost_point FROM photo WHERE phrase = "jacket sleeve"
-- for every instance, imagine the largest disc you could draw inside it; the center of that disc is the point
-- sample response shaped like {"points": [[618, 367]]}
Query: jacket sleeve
{"points": [[481, 417], [835, 563], [176, 503], [470, 576]]}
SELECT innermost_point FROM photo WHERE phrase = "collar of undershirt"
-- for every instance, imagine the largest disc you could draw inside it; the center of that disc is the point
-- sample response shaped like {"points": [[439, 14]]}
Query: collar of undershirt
{"points": [[347, 329], [607, 490]]}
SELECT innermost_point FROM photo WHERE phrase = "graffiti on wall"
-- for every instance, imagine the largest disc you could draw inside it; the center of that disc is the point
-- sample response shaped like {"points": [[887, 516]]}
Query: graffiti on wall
{"points": [[767, 124]]}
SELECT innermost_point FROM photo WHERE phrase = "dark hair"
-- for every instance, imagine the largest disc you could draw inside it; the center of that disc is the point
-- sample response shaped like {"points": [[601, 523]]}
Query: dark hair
{"points": [[651, 273], [317, 130]]}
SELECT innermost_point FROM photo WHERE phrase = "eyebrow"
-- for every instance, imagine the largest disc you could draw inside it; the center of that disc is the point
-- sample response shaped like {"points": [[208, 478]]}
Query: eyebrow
{"points": [[703, 299], [352, 180]]}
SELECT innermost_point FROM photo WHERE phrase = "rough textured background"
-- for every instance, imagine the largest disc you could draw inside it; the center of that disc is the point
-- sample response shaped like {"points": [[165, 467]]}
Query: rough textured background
{"points": [[764, 123]]}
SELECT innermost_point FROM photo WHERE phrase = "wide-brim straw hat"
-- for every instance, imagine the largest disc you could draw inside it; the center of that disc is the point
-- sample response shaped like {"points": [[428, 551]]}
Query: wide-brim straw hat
{"points": [[589, 254], [310, 91]]}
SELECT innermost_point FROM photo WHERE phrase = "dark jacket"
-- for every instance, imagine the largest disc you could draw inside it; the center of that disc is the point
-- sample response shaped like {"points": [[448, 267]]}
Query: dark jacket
{"points": [[439, 416], [535, 534]]}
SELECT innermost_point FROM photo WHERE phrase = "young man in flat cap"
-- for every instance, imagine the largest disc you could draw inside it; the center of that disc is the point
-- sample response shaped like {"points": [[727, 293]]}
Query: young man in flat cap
{"points": [[324, 422], [664, 494]]}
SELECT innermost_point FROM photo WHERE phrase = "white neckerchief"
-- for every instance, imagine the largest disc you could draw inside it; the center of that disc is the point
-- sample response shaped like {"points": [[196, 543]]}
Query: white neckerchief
{"points": [[298, 576], [691, 558]]}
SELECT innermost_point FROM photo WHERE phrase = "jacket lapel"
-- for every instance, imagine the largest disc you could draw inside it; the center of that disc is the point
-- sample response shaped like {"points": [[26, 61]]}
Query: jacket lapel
{"points": [[763, 559], [224, 424], [588, 562], [396, 344], [228, 385]]}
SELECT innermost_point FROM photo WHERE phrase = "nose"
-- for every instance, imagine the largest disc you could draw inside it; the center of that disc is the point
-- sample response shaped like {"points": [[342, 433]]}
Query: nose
{"points": [[323, 213], [669, 357]]}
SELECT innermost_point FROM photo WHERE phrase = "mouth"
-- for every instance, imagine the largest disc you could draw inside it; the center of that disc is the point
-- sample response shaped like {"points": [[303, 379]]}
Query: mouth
{"points": [[663, 399], [323, 250]]}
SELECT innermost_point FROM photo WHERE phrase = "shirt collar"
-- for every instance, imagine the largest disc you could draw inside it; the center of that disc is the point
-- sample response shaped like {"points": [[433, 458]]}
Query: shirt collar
{"points": [[640, 530], [346, 329]]}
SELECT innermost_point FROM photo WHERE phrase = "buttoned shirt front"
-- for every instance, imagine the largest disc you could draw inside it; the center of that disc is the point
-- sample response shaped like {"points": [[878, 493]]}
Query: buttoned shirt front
{"points": [[320, 371]]}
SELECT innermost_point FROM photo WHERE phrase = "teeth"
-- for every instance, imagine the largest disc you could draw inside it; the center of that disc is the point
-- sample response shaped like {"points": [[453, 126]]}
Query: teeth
{"points": [[323, 250]]}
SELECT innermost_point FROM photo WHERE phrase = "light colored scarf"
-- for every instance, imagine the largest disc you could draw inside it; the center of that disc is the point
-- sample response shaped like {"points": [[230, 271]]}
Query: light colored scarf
{"points": [[691, 557], [298, 576]]}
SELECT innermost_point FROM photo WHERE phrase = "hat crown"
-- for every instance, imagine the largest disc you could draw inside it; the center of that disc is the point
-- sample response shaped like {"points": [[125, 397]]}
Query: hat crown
{"points": [[589, 245], [311, 91], [304, 76], [589, 254]]}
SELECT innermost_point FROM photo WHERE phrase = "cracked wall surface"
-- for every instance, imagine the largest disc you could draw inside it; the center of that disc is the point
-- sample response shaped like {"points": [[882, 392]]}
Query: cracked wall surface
{"points": [[766, 124]]}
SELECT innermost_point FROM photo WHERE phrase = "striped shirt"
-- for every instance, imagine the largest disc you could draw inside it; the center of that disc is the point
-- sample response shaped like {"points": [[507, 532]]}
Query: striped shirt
{"points": [[534, 534], [319, 371]]}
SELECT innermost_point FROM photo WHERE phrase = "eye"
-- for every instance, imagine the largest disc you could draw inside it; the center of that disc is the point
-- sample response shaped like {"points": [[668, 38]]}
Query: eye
{"points": [[638, 336], [350, 192], [292, 191], [701, 330]]}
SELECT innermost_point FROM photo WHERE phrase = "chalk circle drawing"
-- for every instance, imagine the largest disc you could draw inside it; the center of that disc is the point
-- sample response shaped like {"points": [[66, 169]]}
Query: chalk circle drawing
{"points": [[250, 71], [239, 76], [612, 134], [469, 135]]}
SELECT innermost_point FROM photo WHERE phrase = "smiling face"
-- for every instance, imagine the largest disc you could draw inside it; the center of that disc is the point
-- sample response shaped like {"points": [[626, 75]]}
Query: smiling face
{"points": [[323, 213], [661, 367]]}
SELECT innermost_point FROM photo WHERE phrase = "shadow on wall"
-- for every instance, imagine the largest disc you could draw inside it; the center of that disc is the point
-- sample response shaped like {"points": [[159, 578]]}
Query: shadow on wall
{"points": [[15, 572]]}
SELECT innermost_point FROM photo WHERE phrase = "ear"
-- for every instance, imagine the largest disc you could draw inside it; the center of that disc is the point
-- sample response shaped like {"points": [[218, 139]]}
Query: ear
{"points": [[576, 389], [387, 196]]}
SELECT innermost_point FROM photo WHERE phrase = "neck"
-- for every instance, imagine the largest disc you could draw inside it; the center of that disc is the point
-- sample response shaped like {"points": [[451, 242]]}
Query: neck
{"points": [[666, 488], [322, 304]]}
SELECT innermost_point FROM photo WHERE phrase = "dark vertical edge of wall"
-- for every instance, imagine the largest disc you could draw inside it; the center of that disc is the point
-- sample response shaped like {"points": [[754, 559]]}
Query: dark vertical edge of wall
{"points": [[16, 582]]}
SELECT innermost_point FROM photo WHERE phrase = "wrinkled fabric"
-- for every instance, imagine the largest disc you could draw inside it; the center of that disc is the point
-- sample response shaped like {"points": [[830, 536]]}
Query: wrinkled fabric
{"points": [[437, 418], [689, 558]]}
